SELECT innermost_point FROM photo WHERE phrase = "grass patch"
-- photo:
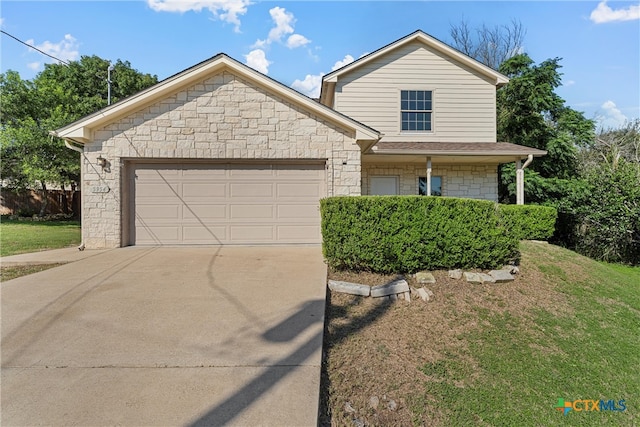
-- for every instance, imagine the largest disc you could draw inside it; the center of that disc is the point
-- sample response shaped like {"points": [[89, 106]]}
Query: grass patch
{"points": [[18, 237], [567, 328], [13, 272]]}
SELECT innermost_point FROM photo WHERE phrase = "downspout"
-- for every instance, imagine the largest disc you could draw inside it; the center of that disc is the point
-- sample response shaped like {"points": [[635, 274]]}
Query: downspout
{"points": [[520, 179], [73, 147], [81, 151]]}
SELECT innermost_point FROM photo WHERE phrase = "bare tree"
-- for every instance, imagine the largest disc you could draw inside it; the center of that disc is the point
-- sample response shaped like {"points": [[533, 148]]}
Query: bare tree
{"points": [[613, 144], [491, 46]]}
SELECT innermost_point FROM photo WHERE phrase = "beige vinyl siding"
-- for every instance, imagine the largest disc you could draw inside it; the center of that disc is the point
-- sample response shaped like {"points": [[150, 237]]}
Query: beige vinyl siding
{"points": [[463, 100]]}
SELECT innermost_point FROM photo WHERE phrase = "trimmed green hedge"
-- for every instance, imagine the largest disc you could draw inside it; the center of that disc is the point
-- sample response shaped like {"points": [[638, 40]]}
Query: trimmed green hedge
{"points": [[529, 222], [409, 233]]}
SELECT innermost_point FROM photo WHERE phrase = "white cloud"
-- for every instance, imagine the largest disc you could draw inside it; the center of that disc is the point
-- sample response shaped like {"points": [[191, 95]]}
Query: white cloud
{"points": [[612, 116], [348, 59], [297, 40], [259, 44], [603, 13], [569, 83], [1, 22], [312, 83], [66, 49], [257, 60], [35, 66], [225, 10], [310, 86], [284, 25]]}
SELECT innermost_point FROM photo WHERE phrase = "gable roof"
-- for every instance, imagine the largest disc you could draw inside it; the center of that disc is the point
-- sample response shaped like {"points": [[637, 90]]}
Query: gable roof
{"points": [[329, 80], [81, 131]]}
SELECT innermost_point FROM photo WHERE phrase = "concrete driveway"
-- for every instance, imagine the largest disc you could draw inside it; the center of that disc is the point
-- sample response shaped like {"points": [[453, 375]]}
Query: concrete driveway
{"points": [[166, 336]]}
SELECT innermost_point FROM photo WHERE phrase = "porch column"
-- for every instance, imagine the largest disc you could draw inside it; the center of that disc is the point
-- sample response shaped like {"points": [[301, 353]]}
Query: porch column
{"points": [[519, 183], [520, 178], [428, 176]]}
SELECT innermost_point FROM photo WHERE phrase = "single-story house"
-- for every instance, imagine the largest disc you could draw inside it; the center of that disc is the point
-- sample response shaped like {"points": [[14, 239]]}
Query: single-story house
{"points": [[222, 154]]}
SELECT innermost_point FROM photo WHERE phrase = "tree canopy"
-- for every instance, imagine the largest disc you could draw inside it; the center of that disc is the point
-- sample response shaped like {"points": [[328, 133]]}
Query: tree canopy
{"points": [[531, 113], [58, 95]]}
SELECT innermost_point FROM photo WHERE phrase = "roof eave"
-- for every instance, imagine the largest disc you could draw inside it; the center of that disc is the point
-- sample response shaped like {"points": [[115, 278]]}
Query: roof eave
{"points": [[82, 130], [498, 78]]}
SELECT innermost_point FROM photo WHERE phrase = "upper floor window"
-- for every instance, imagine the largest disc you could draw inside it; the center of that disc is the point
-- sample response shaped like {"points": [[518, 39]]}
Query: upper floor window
{"points": [[416, 109]]}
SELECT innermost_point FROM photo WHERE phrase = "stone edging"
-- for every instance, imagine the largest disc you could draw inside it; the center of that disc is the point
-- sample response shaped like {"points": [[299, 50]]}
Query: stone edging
{"points": [[400, 289]]}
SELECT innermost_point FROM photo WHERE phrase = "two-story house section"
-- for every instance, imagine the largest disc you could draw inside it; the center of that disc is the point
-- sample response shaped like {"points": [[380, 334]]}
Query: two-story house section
{"points": [[222, 154], [436, 110]]}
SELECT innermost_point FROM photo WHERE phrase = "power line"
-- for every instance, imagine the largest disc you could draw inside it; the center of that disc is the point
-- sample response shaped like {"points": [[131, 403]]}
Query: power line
{"points": [[34, 48]]}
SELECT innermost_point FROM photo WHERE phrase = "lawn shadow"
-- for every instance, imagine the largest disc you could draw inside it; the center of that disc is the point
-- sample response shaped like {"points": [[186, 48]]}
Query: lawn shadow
{"points": [[336, 336]]}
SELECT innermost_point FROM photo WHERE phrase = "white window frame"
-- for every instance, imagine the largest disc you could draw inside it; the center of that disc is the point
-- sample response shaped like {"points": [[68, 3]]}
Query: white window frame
{"points": [[432, 111]]}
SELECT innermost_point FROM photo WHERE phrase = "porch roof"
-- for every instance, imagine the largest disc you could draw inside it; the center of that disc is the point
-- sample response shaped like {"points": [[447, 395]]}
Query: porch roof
{"points": [[457, 148], [450, 152]]}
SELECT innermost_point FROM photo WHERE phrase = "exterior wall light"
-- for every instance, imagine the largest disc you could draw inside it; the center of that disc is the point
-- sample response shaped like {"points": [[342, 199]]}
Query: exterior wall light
{"points": [[101, 161]]}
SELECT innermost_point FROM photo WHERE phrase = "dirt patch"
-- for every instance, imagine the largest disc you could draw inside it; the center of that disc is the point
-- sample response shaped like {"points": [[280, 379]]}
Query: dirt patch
{"points": [[13, 272], [388, 350]]}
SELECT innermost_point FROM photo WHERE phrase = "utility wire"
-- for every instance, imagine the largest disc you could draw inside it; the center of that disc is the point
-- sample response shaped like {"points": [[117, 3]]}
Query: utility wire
{"points": [[34, 48]]}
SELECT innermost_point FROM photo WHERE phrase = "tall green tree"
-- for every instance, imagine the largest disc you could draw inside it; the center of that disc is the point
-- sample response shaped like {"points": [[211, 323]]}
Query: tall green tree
{"points": [[58, 95], [531, 113]]}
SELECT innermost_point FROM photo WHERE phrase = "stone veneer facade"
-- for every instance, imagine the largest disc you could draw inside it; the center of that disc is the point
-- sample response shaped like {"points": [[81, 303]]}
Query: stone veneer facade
{"points": [[221, 118], [470, 181]]}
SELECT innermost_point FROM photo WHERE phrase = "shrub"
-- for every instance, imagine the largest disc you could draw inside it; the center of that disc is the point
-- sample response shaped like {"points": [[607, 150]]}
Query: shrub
{"points": [[609, 220], [529, 221], [409, 233]]}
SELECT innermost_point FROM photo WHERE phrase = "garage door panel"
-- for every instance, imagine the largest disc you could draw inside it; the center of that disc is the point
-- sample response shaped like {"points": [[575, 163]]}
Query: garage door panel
{"points": [[251, 212], [159, 212], [146, 234], [298, 212], [209, 234], [303, 190], [252, 233], [201, 212], [227, 203], [239, 172], [153, 171], [197, 190], [159, 189], [210, 171], [296, 233], [253, 189]]}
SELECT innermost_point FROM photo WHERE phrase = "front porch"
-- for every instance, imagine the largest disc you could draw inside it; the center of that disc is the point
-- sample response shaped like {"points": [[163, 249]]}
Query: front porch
{"points": [[468, 170]]}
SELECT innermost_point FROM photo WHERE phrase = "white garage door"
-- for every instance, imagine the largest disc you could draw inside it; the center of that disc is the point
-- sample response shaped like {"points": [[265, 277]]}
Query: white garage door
{"points": [[226, 203]]}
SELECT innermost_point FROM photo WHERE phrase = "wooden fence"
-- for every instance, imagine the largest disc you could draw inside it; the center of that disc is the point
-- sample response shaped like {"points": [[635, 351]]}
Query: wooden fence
{"points": [[29, 202]]}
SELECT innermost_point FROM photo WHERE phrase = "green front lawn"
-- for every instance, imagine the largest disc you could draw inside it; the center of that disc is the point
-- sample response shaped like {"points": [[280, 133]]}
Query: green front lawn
{"points": [[18, 237]]}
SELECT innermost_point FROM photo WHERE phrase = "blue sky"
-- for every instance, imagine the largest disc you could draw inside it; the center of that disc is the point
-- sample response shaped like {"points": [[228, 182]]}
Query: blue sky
{"points": [[296, 42]]}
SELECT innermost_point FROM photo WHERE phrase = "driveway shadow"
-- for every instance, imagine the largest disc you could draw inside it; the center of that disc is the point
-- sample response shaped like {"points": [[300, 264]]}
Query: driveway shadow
{"points": [[307, 315], [285, 331]]}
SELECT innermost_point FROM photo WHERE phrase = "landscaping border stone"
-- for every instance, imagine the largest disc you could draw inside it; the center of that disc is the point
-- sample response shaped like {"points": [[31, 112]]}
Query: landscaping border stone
{"points": [[350, 288], [392, 288]]}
